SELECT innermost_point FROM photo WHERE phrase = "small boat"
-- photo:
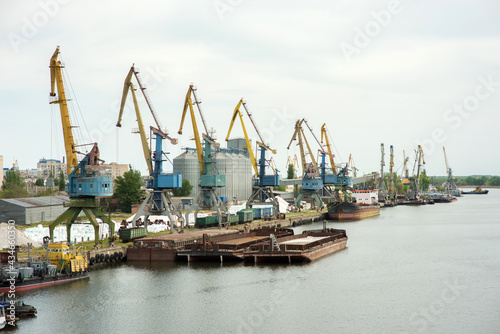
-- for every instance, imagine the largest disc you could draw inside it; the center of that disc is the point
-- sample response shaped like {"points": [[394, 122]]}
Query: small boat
{"points": [[477, 191]]}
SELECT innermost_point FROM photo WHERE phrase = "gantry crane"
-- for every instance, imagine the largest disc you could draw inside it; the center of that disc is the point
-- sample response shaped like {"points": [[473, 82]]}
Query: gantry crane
{"points": [[263, 185], [413, 193], [405, 177], [391, 191], [382, 190], [450, 186], [210, 179], [158, 200], [312, 185], [87, 179]]}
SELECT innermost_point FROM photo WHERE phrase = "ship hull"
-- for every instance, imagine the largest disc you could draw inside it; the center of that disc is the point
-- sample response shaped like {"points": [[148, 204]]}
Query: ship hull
{"points": [[37, 283], [352, 211]]}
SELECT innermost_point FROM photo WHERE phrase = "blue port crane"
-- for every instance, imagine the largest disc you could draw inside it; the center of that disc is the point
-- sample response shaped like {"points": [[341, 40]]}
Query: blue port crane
{"points": [[158, 200], [263, 185], [87, 179], [210, 178]]}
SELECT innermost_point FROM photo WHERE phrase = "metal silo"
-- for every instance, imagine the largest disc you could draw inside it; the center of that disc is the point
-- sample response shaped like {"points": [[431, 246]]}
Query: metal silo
{"points": [[187, 164]]}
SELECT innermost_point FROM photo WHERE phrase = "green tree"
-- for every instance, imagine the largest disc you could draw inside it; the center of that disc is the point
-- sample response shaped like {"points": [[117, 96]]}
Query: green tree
{"points": [[280, 188], [13, 185], [185, 190], [128, 189], [290, 174], [40, 183], [424, 182], [61, 181], [494, 181]]}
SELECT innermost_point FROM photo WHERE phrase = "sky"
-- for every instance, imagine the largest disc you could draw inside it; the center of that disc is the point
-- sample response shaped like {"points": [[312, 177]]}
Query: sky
{"points": [[403, 73]]}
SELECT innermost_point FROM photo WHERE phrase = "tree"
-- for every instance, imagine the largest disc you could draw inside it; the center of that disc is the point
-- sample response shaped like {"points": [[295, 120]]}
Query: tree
{"points": [[13, 185], [40, 183], [290, 172], [494, 181], [62, 183], [128, 189], [185, 190], [424, 182]]}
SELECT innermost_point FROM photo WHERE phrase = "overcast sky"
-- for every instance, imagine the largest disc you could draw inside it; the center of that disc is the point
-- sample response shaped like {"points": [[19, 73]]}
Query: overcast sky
{"points": [[401, 73]]}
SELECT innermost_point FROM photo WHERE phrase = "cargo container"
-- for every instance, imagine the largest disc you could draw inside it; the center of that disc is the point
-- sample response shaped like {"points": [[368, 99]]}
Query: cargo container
{"points": [[206, 221], [128, 234], [245, 215]]}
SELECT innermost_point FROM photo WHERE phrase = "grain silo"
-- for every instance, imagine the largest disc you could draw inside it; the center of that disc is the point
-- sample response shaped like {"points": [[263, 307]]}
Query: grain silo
{"points": [[236, 166]]}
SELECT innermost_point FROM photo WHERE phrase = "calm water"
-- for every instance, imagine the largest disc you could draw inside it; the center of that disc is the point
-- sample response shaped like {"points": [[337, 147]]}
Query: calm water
{"points": [[429, 269]]}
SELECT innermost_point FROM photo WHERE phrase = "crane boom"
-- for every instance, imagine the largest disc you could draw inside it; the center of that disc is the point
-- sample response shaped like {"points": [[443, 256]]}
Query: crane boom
{"points": [[299, 135], [128, 85], [324, 135], [237, 113], [60, 98], [188, 102]]}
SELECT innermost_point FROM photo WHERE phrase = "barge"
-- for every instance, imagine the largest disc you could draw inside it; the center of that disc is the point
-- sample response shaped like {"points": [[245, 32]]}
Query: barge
{"points": [[305, 247]]}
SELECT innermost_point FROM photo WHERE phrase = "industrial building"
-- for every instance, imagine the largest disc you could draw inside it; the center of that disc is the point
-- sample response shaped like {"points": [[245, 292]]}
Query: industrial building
{"points": [[234, 164], [32, 210]]}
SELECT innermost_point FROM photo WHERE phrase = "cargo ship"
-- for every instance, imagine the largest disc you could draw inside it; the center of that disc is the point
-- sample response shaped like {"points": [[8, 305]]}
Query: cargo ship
{"points": [[364, 204], [59, 265]]}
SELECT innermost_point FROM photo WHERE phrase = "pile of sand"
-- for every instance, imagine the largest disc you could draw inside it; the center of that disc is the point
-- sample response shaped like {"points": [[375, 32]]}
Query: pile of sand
{"points": [[20, 239]]}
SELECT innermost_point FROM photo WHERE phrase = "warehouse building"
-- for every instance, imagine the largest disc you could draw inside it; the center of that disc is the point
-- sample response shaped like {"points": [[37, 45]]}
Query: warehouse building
{"points": [[32, 210]]}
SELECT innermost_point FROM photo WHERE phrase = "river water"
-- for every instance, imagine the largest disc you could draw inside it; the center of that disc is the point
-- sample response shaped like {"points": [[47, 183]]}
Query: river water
{"points": [[428, 269]]}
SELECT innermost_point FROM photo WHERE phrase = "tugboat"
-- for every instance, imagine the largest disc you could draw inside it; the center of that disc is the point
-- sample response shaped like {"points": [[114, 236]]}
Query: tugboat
{"points": [[59, 265], [477, 191]]}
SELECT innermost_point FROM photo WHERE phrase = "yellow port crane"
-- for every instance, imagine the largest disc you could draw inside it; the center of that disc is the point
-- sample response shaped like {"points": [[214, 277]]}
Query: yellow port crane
{"points": [[57, 80], [299, 135]]}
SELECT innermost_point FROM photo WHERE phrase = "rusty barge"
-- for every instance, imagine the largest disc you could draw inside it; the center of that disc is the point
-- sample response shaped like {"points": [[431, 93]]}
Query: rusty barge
{"points": [[305, 247]]}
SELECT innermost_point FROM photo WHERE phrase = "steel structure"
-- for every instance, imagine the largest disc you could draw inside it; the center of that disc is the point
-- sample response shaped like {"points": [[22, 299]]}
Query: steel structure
{"points": [[263, 185], [87, 179], [312, 184], [158, 200], [382, 190], [450, 186], [210, 179], [413, 192]]}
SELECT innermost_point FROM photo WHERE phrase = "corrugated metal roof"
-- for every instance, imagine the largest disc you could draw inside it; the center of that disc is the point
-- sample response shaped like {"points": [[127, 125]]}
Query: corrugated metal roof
{"points": [[29, 202]]}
